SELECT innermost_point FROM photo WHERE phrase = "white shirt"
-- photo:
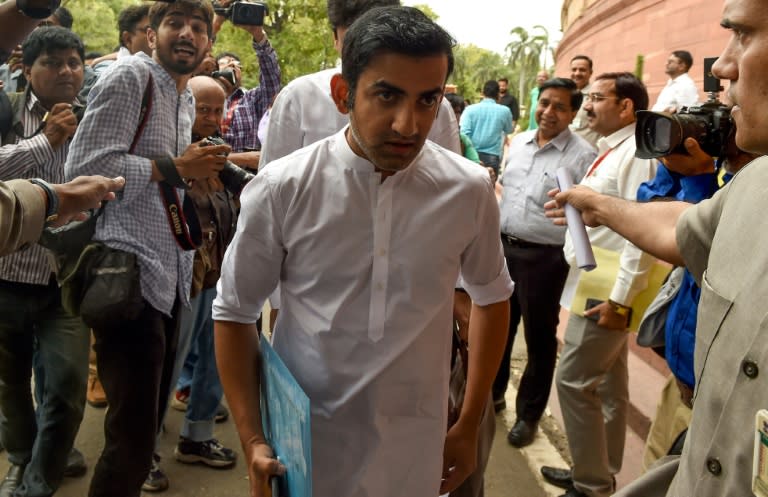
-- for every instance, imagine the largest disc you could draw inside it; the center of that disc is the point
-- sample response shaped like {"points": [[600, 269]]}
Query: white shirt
{"points": [[304, 113], [619, 174], [679, 92], [367, 272]]}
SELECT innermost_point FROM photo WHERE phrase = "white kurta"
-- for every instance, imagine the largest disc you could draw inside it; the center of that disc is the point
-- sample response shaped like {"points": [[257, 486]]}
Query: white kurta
{"points": [[367, 271], [679, 92]]}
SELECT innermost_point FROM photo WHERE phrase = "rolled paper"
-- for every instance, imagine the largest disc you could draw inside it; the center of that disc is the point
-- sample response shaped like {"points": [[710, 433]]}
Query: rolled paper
{"points": [[585, 258]]}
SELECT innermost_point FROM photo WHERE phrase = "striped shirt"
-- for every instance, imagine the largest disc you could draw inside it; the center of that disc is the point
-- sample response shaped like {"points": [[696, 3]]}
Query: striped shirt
{"points": [[250, 105], [32, 158], [136, 222]]}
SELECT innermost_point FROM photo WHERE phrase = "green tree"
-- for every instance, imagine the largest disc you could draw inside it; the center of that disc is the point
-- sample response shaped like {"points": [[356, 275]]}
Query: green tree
{"points": [[526, 54], [473, 67]]}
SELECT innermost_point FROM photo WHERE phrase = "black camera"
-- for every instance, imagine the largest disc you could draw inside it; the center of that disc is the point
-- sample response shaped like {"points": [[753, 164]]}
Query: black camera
{"points": [[227, 74], [248, 13], [660, 133], [233, 177]]}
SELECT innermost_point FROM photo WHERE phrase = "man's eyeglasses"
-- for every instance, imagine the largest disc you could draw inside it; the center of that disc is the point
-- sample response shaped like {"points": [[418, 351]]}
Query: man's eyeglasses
{"points": [[596, 97]]}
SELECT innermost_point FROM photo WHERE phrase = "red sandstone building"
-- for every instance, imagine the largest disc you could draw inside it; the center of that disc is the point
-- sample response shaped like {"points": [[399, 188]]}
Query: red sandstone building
{"points": [[614, 32]]}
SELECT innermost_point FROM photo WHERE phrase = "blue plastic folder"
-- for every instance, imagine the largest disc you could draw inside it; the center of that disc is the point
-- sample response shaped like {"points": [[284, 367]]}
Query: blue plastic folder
{"points": [[286, 419]]}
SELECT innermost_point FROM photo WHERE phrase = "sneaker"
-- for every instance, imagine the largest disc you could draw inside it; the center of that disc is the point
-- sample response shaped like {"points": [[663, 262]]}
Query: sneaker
{"points": [[222, 414], [156, 480], [210, 452], [180, 399]]}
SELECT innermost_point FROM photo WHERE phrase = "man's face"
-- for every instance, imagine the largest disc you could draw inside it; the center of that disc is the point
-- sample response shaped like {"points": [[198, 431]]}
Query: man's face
{"points": [[228, 63], [136, 41], [181, 41], [502, 87], [605, 113], [580, 73], [744, 61], [396, 102], [209, 109], [675, 67], [541, 77], [554, 112], [56, 77]]}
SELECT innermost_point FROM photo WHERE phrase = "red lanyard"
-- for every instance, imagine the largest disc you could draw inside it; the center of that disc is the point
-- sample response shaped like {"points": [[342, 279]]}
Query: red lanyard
{"points": [[597, 163]]}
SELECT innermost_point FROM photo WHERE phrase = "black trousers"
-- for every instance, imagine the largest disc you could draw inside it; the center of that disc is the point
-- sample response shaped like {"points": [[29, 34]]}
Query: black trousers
{"points": [[539, 273], [135, 363]]}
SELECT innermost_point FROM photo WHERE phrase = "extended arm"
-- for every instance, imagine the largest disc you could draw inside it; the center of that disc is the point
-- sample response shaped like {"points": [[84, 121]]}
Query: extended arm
{"points": [[16, 26]]}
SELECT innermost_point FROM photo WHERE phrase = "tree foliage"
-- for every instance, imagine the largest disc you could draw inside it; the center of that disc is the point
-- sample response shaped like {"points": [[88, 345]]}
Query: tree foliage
{"points": [[527, 54], [473, 67]]}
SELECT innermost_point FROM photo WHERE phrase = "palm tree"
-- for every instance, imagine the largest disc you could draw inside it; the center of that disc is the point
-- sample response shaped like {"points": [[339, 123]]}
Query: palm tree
{"points": [[525, 53]]}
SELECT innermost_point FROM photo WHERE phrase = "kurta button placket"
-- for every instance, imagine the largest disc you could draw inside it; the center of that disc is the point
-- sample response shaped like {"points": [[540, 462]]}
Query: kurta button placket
{"points": [[750, 369], [714, 467]]}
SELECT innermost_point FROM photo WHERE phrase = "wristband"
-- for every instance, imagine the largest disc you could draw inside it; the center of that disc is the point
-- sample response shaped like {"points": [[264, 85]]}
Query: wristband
{"points": [[37, 12], [52, 212], [621, 310], [170, 174]]}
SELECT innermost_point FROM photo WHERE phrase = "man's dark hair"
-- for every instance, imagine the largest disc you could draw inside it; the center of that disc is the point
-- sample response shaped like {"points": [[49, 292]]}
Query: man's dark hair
{"points": [[567, 84], [342, 13], [158, 11], [491, 89], [64, 16], [227, 54], [49, 39], [93, 55], [402, 30], [503, 79], [628, 86], [457, 101], [129, 18], [583, 57], [686, 58]]}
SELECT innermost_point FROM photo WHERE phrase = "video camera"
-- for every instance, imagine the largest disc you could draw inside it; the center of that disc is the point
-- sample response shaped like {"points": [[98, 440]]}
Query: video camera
{"points": [[660, 133], [248, 13], [233, 177]]}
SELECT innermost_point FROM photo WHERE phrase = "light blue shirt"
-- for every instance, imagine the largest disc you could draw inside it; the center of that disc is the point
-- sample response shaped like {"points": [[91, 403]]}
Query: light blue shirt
{"points": [[486, 123], [136, 222], [530, 172]]}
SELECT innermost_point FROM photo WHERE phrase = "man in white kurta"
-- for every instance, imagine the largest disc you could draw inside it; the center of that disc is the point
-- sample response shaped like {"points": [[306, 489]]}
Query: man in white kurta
{"points": [[367, 232]]}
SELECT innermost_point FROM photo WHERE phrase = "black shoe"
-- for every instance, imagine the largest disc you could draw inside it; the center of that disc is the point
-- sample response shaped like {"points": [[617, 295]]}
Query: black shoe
{"points": [[156, 480], [76, 466], [572, 492], [210, 453], [522, 433], [499, 405], [11, 481], [222, 414], [558, 477]]}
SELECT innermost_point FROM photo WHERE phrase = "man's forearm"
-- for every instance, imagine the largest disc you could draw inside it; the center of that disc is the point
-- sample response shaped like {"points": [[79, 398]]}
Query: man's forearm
{"points": [[16, 26], [488, 327], [237, 358], [651, 226]]}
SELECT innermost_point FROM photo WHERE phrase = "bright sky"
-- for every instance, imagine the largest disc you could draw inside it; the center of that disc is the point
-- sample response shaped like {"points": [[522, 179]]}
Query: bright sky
{"points": [[487, 23]]}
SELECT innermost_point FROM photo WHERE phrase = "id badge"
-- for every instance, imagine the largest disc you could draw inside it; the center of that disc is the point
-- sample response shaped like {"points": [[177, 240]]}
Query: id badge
{"points": [[760, 459]]}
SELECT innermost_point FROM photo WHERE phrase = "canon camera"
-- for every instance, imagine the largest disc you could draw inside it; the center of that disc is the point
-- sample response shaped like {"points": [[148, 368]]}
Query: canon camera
{"points": [[248, 13]]}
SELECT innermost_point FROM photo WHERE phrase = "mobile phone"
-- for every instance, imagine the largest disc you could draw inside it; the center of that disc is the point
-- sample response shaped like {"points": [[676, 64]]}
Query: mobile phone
{"points": [[589, 305]]}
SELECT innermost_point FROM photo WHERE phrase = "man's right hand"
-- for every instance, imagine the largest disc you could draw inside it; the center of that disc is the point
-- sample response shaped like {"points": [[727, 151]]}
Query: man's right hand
{"points": [[695, 162], [202, 162], [584, 199], [261, 466], [60, 125], [84, 193]]}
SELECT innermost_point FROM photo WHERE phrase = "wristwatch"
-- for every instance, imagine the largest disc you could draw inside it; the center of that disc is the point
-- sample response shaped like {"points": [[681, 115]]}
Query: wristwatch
{"points": [[52, 212], [620, 309], [35, 11]]}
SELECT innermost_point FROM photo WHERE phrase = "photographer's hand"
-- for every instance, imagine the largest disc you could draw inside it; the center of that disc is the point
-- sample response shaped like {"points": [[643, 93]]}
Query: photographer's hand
{"points": [[60, 125], [695, 162], [257, 32], [198, 161]]}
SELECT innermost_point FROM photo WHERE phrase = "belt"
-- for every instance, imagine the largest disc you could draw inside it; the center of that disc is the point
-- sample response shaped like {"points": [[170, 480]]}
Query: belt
{"points": [[514, 241]]}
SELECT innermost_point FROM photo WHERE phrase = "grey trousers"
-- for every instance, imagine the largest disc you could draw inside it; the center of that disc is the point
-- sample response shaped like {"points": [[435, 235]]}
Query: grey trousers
{"points": [[593, 388], [474, 485]]}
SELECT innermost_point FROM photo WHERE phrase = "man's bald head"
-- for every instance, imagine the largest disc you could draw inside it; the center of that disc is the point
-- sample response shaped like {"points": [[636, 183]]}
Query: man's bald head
{"points": [[209, 105]]}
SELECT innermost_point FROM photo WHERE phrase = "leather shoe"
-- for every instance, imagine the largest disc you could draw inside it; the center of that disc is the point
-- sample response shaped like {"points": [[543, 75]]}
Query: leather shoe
{"points": [[76, 466], [11, 481], [558, 477], [522, 433], [499, 405], [95, 395], [572, 492]]}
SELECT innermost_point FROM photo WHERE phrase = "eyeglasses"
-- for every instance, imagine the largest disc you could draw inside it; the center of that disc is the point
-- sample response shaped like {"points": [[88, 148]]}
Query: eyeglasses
{"points": [[596, 97]]}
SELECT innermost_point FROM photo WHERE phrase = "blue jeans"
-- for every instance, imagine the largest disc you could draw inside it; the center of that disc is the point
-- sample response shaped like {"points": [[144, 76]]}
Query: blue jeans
{"points": [[33, 313], [199, 369]]}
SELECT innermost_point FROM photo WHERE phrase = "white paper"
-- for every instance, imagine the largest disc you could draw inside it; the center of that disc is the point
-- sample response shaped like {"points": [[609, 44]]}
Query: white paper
{"points": [[585, 258]]}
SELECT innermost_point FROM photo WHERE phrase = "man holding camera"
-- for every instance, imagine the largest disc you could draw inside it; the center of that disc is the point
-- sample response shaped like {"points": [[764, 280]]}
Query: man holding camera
{"points": [[244, 108], [139, 123], [36, 147], [721, 242], [592, 376]]}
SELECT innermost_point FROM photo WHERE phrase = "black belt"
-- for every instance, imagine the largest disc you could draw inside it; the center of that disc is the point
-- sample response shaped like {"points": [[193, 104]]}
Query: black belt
{"points": [[514, 241]]}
